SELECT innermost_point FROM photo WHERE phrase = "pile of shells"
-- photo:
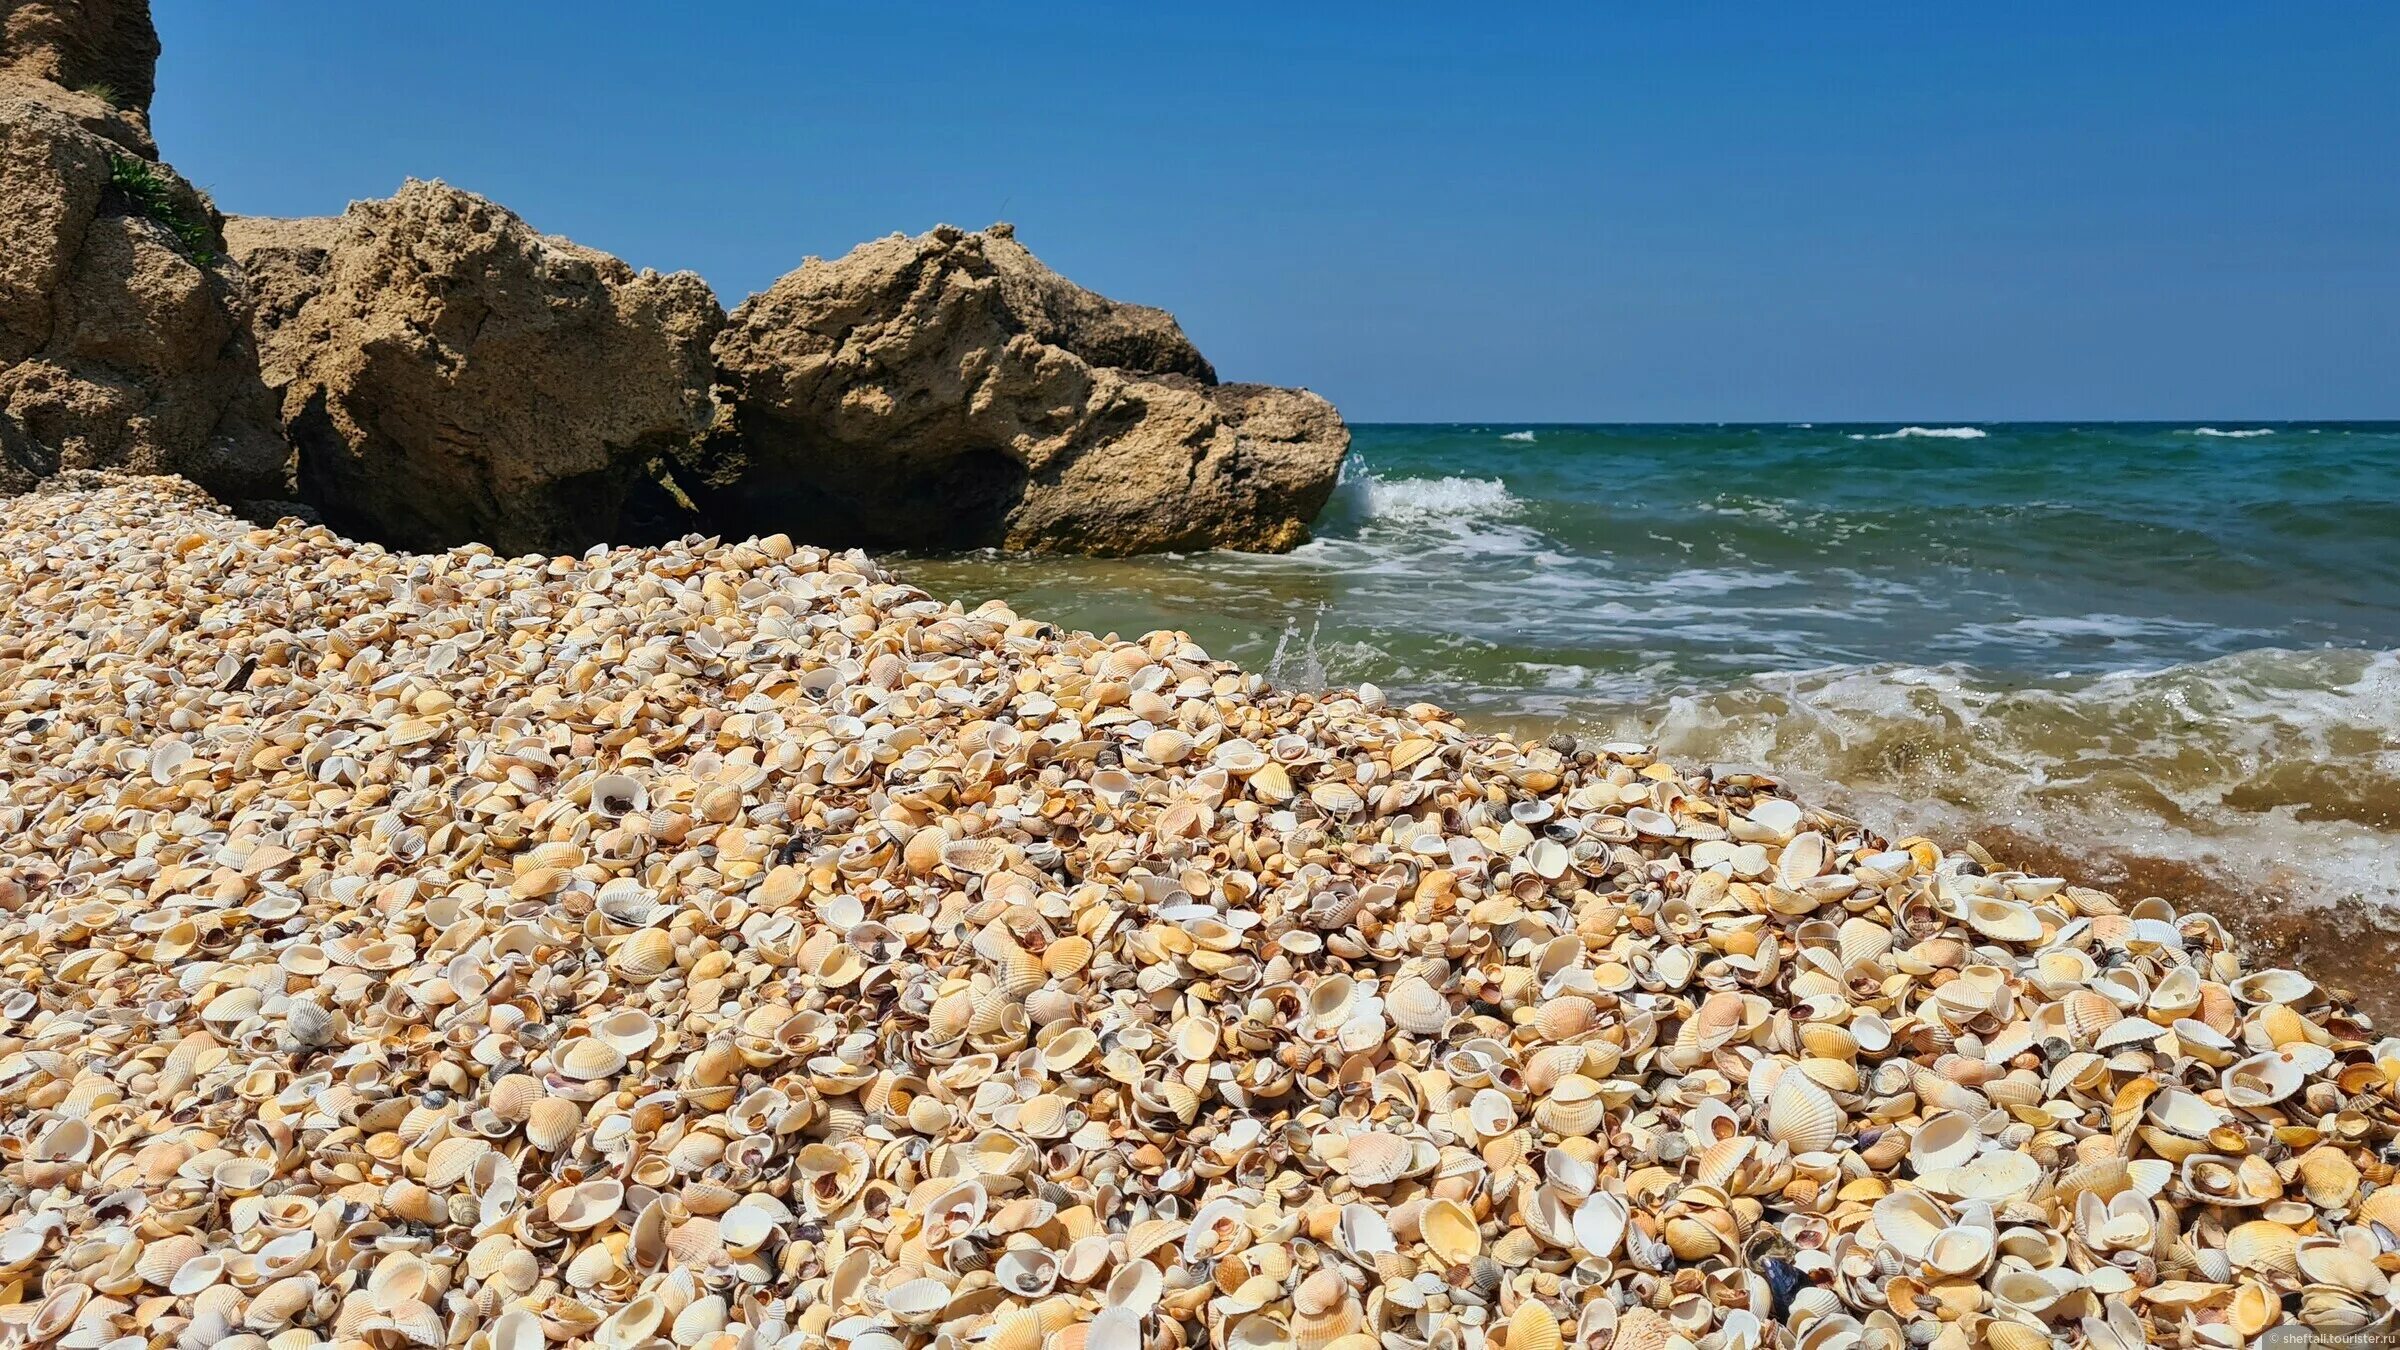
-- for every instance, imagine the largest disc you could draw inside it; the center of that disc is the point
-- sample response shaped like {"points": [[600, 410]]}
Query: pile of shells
{"points": [[725, 945]]}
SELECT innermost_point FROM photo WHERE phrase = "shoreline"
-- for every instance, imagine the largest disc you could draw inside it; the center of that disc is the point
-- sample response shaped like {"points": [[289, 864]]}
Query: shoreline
{"points": [[577, 946]]}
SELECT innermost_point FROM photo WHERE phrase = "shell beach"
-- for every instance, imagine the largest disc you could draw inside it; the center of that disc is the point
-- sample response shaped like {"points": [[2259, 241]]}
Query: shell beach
{"points": [[727, 945]]}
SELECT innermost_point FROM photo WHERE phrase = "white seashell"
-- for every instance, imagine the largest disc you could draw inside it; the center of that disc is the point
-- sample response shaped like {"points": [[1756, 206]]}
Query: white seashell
{"points": [[1803, 1116], [615, 795], [1600, 1225], [2262, 1079], [1960, 1251], [1946, 1140], [1361, 1232], [1908, 1222], [2003, 1174], [2004, 920], [1777, 814], [2274, 986]]}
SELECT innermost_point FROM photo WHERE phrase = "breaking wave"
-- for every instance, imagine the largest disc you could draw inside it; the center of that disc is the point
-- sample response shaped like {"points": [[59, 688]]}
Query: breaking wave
{"points": [[1423, 500], [1516, 436], [2264, 785], [2236, 435], [1935, 433]]}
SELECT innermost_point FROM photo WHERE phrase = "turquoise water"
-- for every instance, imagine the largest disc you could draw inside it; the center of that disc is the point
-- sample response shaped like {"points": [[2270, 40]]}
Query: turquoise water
{"points": [[2141, 644]]}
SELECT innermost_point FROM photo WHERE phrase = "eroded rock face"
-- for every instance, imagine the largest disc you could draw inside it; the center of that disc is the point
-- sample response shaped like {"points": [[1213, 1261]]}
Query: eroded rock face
{"points": [[448, 374], [101, 47], [124, 341], [950, 391]]}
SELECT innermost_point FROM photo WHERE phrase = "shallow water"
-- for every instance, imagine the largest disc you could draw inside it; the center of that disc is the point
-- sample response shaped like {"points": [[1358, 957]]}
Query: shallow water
{"points": [[2162, 654]]}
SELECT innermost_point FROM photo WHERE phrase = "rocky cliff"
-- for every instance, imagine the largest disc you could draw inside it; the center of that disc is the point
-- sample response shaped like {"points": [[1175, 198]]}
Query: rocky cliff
{"points": [[124, 334]]}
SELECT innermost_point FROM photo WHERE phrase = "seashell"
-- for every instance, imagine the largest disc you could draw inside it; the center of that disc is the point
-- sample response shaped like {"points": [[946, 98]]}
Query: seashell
{"points": [[550, 1122], [1067, 957], [2326, 1261], [1960, 1251], [2263, 1245], [195, 1275], [2004, 920], [2328, 1177], [2262, 1079], [1378, 1159], [1908, 1222], [2288, 987], [1450, 1232], [585, 1205], [1600, 1224], [644, 956], [450, 1160], [160, 1259], [1533, 1327], [587, 1058], [1574, 1108], [1360, 1232], [617, 795], [1946, 1140], [1803, 1116], [1416, 1007], [1564, 1018]]}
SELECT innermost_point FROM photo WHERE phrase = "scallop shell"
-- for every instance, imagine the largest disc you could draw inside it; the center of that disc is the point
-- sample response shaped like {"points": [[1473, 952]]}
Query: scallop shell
{"points": [[2326, 1261], [1996, 1176], [2004, 920], [616, 795], [2262, 1079], [1600, 1224]]}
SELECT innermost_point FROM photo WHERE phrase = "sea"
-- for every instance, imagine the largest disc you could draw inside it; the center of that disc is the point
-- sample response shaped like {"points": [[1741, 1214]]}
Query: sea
{"points": [[2159, 657]]}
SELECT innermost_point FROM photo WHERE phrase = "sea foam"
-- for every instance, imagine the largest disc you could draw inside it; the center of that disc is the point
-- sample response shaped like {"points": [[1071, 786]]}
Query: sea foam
{"points": [[1517, 436], [2234, 435], [1936, 433], [1418, 500]]}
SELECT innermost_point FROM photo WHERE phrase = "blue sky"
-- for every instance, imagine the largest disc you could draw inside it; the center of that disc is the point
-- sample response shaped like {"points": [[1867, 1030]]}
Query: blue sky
{"points": [[1532, 213]]}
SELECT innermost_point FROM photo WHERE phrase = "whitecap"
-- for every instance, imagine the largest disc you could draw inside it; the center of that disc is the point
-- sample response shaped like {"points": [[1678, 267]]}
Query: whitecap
{"points": [[2231, 435], [1936, 433], [1517, 436], [1419, 500]]}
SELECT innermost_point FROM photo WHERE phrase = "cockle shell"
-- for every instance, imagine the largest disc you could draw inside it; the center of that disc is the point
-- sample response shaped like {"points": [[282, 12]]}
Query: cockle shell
{"points": [[1450, 1232], [1802, 1116], [1416, 1007]]}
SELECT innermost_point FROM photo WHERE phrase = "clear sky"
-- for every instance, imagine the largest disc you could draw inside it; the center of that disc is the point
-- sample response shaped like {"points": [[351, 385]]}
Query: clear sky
{"points": [[1443, 212]]}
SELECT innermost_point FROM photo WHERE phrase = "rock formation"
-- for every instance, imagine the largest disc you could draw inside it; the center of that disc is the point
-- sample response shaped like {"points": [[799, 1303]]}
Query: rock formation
{"points": [[108, 48], [124, 340], [448, 374], [428, 370], [950, 391]]}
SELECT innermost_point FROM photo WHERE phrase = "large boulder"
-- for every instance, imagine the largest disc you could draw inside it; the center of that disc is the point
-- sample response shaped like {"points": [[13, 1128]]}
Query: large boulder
{"points": [[124, 340], [950, 391], [447, 374]]}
